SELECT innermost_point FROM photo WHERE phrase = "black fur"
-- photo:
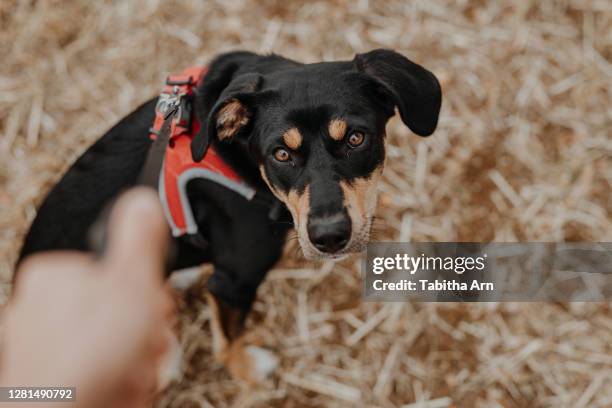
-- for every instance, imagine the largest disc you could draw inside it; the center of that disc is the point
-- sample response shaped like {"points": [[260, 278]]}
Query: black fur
{"points": [[279, 94]]}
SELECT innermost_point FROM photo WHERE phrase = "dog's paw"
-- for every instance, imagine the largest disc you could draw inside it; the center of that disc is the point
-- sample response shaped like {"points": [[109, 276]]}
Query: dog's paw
{"points": [[170, 367], [250, 363], [183, 279], [264, 361]]}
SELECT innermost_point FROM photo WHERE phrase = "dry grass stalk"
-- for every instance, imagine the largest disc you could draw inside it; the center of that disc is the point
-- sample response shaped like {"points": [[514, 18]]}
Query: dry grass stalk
{"points": [[522, 152]]}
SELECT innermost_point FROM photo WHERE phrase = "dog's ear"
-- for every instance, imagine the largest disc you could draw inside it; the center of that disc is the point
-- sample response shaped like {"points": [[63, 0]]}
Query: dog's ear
{"points": [[413, 89], [223, 101], [229, 115]]}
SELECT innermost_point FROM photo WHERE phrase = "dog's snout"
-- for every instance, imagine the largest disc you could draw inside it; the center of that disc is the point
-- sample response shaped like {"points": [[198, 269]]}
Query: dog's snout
{"points": [[330, 233]]}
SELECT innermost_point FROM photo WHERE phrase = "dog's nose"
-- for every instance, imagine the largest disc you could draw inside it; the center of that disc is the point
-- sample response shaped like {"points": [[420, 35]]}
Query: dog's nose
{"points": [[330, 233]]}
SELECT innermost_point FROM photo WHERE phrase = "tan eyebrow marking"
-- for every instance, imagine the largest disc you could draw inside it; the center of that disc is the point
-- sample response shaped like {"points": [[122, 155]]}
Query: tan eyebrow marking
{"points": [[292, 138], [337, 129]]}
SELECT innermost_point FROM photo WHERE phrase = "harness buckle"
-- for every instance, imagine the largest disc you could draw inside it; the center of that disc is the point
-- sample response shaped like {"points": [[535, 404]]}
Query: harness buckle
{"points": [[183, 113], [177, 104], [167, 104]]}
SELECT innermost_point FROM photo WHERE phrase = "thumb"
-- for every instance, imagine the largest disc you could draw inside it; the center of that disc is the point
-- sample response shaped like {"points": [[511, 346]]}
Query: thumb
{"points": [[138, 235]]}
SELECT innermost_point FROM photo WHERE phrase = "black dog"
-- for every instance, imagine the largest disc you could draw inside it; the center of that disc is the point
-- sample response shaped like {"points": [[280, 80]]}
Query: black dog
{"points": [[309, 135]]}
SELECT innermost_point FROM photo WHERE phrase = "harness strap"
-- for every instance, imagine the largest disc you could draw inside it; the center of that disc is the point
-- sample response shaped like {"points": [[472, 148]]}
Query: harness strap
{"points": [[173, 119], [149, 175], [169, 166]]}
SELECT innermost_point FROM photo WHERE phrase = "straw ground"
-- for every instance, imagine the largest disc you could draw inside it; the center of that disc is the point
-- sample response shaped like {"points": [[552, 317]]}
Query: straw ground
{"points": [[522, 153]]}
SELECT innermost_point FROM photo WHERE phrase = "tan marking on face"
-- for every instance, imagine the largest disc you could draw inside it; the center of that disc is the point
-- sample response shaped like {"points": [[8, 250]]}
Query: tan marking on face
{"points": [[298, 204], [231, 117], [337, 129], [299, 207], [360, 202], [279, 194], [293, 138]]}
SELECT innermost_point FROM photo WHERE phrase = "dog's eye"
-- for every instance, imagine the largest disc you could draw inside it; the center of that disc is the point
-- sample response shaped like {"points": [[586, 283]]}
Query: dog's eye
{"points": [[356, 139], [281, 155]]}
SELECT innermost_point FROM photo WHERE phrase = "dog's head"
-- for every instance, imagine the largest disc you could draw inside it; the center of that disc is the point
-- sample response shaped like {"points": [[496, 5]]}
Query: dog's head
{"points": [[317, 132]]}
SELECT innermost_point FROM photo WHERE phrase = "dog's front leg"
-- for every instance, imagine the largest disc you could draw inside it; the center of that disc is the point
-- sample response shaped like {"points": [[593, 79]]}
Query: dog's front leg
{"points": [[247, 362]]}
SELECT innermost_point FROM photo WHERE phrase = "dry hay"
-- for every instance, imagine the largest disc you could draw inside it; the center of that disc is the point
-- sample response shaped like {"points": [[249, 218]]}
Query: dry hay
{"points": [[522, 153]]}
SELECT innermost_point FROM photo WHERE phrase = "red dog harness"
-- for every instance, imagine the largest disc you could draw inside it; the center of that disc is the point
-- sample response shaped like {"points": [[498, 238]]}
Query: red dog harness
{"points": [[178, 166]]}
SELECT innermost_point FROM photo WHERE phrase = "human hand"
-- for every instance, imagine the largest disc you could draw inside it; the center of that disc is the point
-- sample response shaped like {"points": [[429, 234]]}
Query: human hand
{"points": [[99, 325]]}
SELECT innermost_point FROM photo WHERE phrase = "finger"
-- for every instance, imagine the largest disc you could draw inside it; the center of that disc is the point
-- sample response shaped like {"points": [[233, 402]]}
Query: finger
{"points": [[139, 382], [133, 392], [138, 235], [168, 304], [47, 268]]}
